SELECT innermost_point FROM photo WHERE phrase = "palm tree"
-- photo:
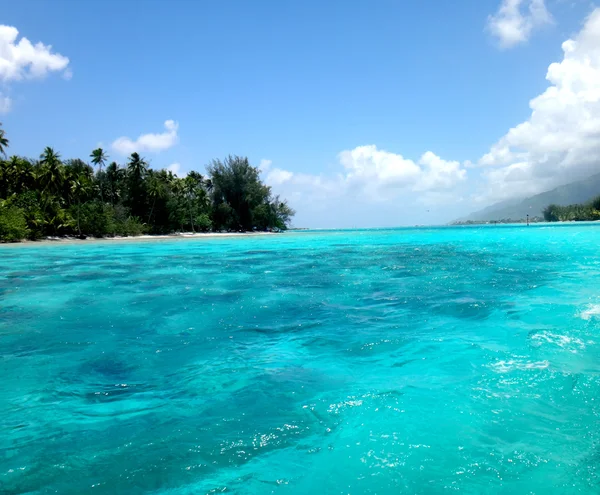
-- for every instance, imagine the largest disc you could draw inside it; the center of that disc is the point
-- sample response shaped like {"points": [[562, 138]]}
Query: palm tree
{"points": [[99, 158], [189, 188], [114, 176], [3, 141], [80, 187], [178, 190], [51, 176], [156, 190], [19, 173], [137, 166], [137, 169]]}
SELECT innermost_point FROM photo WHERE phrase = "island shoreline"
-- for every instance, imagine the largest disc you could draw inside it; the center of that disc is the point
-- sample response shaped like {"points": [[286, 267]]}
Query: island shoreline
{"points": [[50, 241]]}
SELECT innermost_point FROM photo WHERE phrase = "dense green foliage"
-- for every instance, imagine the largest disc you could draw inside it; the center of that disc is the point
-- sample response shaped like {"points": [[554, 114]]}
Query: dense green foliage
{"points": [[577, 213], [53, 197]]}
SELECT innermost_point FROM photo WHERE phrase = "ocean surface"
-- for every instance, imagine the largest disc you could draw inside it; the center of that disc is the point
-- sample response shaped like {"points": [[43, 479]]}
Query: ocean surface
{"points": [[417, 361]]}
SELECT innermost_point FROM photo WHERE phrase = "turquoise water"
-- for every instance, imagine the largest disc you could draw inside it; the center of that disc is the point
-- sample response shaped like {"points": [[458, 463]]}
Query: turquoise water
{"points": [[344, 362]]}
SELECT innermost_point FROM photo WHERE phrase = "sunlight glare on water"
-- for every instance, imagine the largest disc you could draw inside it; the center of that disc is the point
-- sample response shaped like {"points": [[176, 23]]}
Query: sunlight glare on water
{"points": [[375, 362]]}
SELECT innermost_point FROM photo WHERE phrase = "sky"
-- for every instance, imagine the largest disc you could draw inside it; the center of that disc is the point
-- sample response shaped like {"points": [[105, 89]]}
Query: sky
{"points": [[360, 114]]}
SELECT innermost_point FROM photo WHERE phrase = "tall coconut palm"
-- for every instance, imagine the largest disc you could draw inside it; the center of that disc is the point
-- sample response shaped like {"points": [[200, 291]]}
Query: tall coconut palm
{"points": [[3, 141], [51, 176], [80, 188], [114, 177], [20, 174], [189, 187], [137, 169], [10, 171], [178, 212], [156, 190], [99, 158]]}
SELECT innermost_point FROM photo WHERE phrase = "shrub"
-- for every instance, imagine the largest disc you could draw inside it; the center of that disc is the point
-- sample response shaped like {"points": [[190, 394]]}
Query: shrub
{"points": [[29, 203], [120, 222], [204, 223], [131, 227], [13, 226]]}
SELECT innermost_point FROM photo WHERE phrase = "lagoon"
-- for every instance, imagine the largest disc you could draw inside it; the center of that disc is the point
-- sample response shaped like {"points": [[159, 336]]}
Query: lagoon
{"points": [[417, 360]]}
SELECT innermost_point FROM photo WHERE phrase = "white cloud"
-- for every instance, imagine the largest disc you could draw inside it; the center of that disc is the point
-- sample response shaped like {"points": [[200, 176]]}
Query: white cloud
{"points": [[264, 165], [21, 60], [378, 174], [5, 103], [175, 168], [149, 142], [557, 144], [370, 181], [438, 174], [516, 20], [378, 167], [24, 60], [560, 141], [278, 176]]}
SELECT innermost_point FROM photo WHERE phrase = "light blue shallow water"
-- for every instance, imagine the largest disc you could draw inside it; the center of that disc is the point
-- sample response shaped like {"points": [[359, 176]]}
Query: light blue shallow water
{"points": [[377, 362]]}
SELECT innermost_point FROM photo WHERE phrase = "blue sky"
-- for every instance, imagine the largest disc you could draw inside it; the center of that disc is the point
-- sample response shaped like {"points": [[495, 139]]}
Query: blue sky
{"points": [[360, 113]]}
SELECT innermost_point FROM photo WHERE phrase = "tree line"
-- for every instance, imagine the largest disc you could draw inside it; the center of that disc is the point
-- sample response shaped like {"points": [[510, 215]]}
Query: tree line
{"points": [[573, 213], [50, 196]]}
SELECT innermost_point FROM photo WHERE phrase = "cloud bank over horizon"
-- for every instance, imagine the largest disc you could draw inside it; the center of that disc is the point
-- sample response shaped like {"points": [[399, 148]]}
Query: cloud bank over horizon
{"points": [[558, 143]]}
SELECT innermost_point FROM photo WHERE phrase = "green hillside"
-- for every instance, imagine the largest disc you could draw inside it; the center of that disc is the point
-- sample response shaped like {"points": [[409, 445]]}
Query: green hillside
{"points": [[574, 193]]}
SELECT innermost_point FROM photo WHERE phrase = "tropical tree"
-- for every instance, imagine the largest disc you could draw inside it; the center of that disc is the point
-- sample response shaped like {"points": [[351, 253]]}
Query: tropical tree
{"points": [[99, 158], [137, 170], [157, 189], [176, 203], [81, 187], [195, 195], [51, 196], [16, 176], [236, 183], [114, 179], [3, 141], [51, 176]]}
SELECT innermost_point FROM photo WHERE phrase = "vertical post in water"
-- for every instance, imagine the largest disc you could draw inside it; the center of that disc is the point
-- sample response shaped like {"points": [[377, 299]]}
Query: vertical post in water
{"points": [[527, 219]]}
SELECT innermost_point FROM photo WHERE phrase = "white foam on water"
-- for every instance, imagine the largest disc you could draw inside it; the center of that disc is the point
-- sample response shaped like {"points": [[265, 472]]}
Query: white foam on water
{"points": [[592, 312], [572, 344], [512, 365]]}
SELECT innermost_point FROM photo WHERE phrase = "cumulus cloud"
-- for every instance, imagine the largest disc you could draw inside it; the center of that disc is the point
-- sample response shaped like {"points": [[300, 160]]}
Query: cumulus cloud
{"points": [[378, 167], [516, 20], [153, 143], [355, 196], [175, 168], [279, 176], [560, 141], [264, 165], [25, 60], [438, 174], [370, 180]]}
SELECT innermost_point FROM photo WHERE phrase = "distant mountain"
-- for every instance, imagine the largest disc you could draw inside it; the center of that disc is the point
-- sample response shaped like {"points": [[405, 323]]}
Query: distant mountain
{"points": [[573, 193]]}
